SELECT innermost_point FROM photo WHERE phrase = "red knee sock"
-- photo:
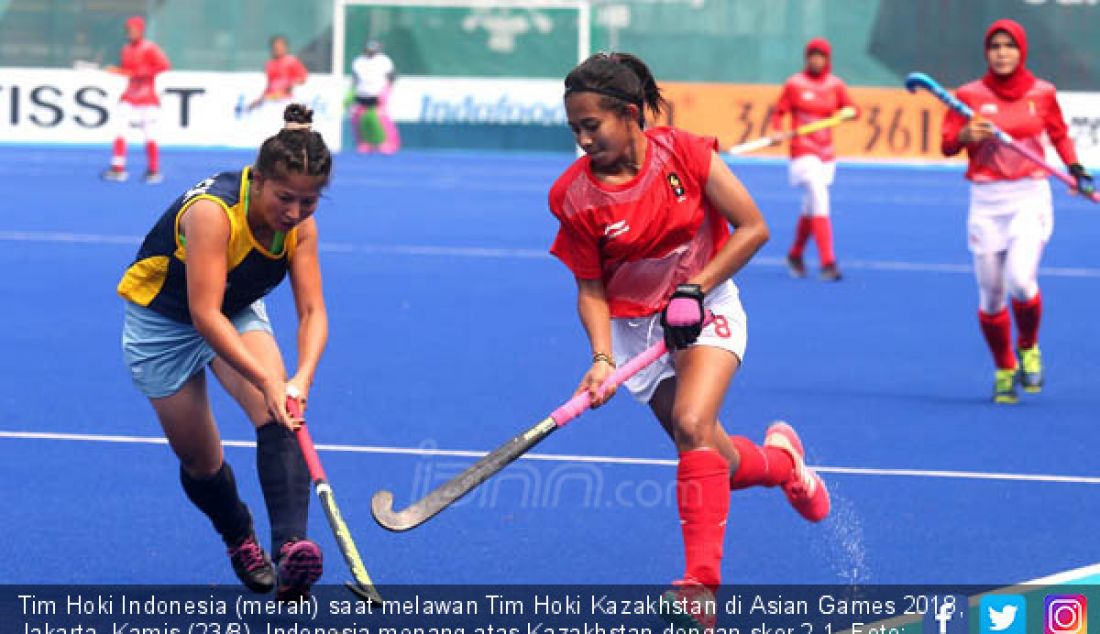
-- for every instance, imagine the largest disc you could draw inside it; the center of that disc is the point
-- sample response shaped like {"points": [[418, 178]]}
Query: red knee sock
{"points": [[1028, 315], [823, 235], [997, 329], [801, 236], [118, 155], [760, 466], [153, 154], [703, 497]]}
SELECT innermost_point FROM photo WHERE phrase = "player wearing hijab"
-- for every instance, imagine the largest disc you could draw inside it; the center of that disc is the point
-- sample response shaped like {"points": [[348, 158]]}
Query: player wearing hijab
{"points": [[141, 61], [1011, 216], [645, 222], [813, 94]]}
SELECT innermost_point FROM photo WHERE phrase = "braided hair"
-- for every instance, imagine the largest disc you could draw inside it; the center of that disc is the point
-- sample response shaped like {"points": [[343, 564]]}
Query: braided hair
{"points": [[296, 148], [622, 79]]}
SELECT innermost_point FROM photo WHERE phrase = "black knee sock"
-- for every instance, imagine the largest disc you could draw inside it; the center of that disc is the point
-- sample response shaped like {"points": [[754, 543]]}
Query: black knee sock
{"points": [[217, 497], [284, 479]]}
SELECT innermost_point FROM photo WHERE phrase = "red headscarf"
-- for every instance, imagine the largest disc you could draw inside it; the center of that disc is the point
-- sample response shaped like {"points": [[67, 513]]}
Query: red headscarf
{"points": [[821, 45], [1015, 84], [136, 21]]}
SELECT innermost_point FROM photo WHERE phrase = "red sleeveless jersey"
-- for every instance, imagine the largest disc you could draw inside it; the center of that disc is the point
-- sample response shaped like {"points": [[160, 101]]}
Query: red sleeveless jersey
{"points": [[645, 236]]}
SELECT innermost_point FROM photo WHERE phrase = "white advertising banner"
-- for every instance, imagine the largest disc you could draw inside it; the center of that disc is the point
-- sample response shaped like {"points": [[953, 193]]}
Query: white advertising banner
{"points": [[463, 100], [1082, 114], [62, 106]]}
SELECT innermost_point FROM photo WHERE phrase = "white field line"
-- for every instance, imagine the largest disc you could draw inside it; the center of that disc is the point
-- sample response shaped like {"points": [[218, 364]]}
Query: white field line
{"points": [[607, 460], [61, 237]]}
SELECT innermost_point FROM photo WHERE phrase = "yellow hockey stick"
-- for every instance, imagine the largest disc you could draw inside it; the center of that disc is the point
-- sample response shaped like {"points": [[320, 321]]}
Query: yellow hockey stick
{"points": [[844, 114]]}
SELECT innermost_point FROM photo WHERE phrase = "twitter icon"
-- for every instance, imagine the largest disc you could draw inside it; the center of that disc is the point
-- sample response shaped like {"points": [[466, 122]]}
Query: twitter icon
{"points": [[1003, 614]]}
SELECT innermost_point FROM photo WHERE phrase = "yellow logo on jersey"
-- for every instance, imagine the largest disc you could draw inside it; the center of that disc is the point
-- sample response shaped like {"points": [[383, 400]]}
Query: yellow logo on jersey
{"points": [[677, 186]]}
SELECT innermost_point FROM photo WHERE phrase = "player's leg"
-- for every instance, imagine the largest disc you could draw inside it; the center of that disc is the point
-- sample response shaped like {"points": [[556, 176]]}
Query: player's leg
{"points": [[820, 179], [284, 477], [393, 138], [1025, 251], [166, 360], [992, 209], [372, 130], [703, 474], [357, 111], [995, 323], [796, 262], [208, 480], [778, 462], [749, 464], [703, 375], [123, 119], [147, 117]]}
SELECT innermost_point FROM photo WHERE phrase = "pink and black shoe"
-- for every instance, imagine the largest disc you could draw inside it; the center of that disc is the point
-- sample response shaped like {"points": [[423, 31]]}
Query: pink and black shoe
{"points": [[300, 565], [252, 565]]}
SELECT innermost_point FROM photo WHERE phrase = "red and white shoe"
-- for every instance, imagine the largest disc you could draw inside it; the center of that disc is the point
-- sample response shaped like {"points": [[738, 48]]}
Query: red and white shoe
{"points": [[805, 490], [689, 607]]}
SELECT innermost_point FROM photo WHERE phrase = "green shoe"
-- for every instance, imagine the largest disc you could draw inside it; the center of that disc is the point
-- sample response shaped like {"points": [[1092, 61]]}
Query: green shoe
{"points": [[1004, 387], [1031, 369], [689, 608]]}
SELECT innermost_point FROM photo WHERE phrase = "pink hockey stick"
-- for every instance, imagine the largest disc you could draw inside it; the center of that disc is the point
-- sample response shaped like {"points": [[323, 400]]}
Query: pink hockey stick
{"points": [[362, 586], [427, 507]]}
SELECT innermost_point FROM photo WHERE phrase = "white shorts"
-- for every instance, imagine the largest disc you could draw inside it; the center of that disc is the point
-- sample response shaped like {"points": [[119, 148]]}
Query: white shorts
{"points": [[630, 336], [141, 118], [1003, 211], [809, 168]]}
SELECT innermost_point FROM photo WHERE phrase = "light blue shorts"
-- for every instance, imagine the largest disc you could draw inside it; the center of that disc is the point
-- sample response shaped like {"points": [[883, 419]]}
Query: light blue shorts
{"points": [[163, 354]]}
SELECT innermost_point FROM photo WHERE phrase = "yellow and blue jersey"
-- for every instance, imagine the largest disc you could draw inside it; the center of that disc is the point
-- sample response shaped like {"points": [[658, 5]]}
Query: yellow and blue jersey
{"points": [[157, 278]]}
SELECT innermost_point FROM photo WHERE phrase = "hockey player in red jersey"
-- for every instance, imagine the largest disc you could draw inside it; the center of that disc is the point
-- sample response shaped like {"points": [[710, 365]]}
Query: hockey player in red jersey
{"points": [[141, 61], [645, 226], [810, 95], [1011, 217]]}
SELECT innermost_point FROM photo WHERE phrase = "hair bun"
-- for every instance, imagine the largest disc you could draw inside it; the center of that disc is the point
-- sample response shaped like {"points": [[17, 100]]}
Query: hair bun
{"points": [[297, 117]]}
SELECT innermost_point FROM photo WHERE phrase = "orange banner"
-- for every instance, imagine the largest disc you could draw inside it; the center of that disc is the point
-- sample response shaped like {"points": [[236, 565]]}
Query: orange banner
{"points": [[893, 123]]}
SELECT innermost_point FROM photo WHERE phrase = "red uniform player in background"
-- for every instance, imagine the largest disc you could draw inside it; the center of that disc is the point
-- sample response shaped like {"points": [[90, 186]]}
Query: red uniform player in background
{"points": [[811, 95], [1011, 216], [141, 61], [284, 71]]}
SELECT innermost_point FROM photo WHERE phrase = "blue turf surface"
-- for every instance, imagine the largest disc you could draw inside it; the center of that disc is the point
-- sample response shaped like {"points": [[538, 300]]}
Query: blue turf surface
{"points": [[451, 329]]}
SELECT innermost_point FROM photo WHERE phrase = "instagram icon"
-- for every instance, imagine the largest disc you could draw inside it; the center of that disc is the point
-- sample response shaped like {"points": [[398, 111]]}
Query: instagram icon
{"points": [[1065, 614]]}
